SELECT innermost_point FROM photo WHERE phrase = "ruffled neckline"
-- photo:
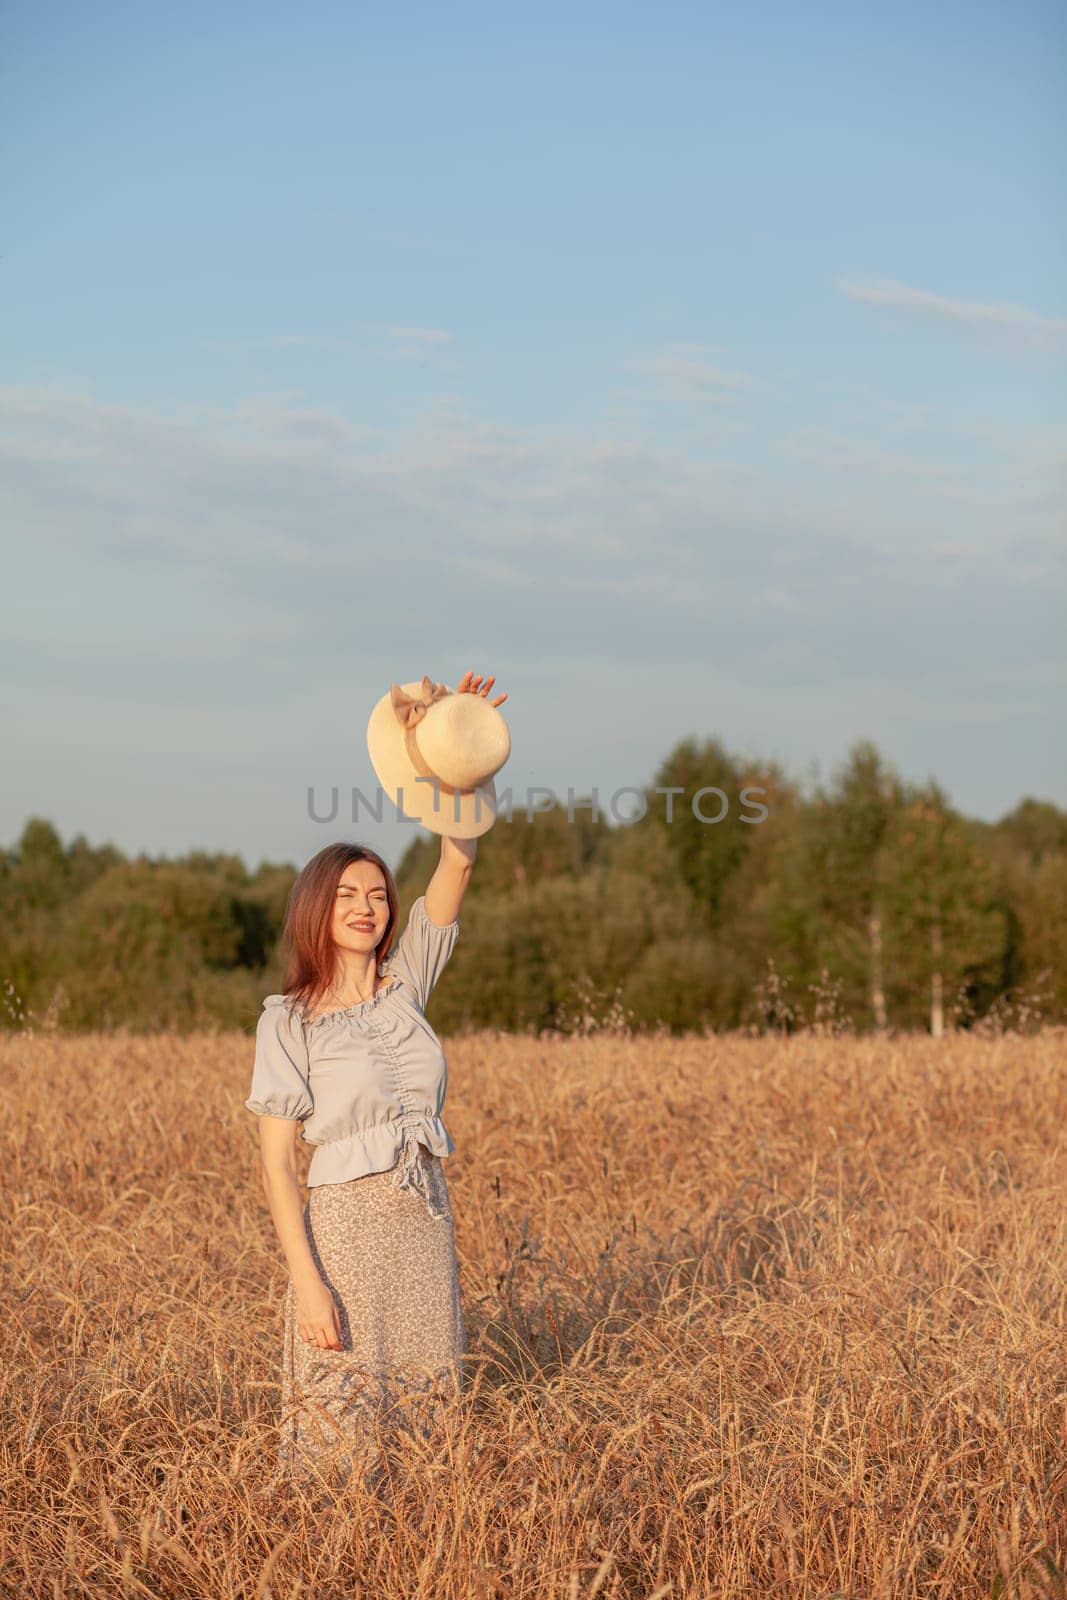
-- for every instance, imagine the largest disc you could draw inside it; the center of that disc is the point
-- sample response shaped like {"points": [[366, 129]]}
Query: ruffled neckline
{"points": [[340, 1011]]}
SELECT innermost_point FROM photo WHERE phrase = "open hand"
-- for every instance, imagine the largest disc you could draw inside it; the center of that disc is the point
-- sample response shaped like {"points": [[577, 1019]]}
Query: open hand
{"points": [[468, 684]]}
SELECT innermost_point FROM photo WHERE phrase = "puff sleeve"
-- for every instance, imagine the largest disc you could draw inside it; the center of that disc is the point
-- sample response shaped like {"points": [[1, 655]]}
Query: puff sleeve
{"points": [[423, 950], [280, 1073]]}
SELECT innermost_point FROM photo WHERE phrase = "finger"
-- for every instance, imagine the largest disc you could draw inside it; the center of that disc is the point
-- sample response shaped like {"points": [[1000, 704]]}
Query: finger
{"points": [[499, 701]]}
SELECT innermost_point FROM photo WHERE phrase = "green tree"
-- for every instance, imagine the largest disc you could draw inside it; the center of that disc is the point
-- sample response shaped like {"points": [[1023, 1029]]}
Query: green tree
{"points": [[826, 909], [708, 852], [1035, 829], [1041, 905], [947, 930]]}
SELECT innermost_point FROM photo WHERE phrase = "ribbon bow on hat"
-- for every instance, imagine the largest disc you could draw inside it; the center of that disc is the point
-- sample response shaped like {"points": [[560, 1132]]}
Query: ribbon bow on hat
{"points": [[411, 708]]}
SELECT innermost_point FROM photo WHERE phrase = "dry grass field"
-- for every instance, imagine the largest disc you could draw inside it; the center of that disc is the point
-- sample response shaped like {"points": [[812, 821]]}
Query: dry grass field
{"points": [[748, 1317]]}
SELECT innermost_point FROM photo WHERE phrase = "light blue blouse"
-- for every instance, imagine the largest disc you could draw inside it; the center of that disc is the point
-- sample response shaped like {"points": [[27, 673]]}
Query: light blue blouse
{"points": [[368, 1081]]}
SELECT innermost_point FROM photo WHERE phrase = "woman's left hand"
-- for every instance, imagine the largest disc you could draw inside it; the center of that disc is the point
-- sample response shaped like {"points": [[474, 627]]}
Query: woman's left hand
{"points": [[468, 684]]}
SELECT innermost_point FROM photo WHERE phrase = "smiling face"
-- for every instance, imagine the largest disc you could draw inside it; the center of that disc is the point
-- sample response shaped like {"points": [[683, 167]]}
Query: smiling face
{"points": [[361, 907]]}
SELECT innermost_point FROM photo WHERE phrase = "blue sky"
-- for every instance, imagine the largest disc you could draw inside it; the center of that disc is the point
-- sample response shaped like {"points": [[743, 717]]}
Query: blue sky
{"points": [[696, 370]]}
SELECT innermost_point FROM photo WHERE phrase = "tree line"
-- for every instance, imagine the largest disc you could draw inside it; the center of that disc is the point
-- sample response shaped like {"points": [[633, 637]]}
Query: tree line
{"points": [[868, 903]]}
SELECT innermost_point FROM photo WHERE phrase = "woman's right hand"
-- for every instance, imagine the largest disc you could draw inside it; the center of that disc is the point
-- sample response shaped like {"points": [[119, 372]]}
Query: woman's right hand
{"points": [[317, 1318]]}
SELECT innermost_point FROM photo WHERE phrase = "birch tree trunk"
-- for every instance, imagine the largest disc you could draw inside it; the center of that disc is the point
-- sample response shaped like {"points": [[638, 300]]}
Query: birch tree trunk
{"points": [[874, 933], [937, 1008]]}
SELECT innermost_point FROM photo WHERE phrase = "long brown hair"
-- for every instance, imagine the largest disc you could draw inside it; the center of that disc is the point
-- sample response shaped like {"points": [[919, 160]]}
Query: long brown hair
{"points": [[307, 935]]}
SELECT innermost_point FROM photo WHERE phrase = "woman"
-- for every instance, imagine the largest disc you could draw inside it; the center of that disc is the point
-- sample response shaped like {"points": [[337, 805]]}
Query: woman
{"points": [[373, 1321]]}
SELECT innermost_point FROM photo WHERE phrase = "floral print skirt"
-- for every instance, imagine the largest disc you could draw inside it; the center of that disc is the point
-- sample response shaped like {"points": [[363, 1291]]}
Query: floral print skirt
{"points": [[391, 1267]]}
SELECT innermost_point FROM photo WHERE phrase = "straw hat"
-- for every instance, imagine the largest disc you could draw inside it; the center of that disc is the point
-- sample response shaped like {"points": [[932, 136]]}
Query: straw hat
{"points": [[427, 731]]}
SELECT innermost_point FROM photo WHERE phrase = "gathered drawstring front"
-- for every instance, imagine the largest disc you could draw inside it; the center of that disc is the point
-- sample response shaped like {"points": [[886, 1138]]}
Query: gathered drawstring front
{"points": [[411, 1173]]}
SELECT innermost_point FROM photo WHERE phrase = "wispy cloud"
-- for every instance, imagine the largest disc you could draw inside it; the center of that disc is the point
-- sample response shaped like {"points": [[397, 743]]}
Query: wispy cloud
{"points": [[836, 453], [284, 513], [403, 341], [685, 367], [421, 335], [1003, 327]]}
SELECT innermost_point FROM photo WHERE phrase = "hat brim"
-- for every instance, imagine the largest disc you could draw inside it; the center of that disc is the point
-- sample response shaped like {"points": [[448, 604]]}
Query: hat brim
{"points": [[457, 815]]}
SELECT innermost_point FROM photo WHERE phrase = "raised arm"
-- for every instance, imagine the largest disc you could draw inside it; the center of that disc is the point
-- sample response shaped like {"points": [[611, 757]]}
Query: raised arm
{"points": [[445, 890]]}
